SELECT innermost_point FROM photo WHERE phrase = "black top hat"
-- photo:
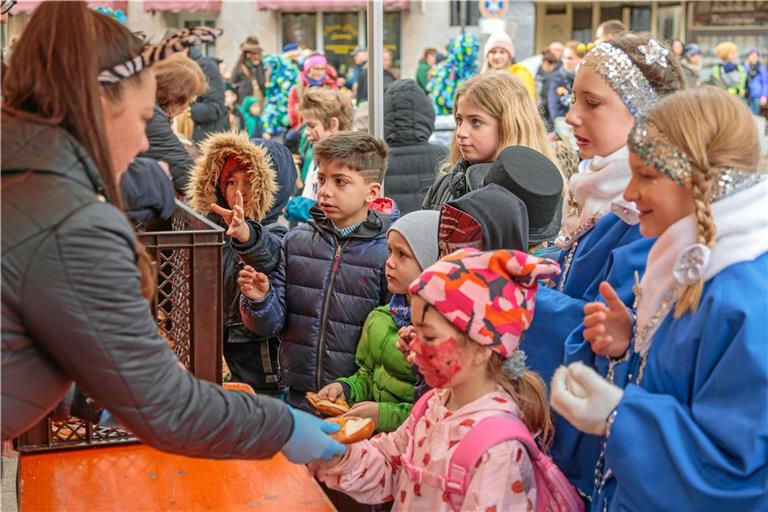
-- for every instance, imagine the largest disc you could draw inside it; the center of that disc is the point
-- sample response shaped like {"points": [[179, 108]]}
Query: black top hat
{"points": [[475, 175], [536, 181]]}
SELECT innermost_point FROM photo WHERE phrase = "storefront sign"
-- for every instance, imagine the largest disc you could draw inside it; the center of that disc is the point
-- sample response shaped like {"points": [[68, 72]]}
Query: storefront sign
{"points": [[730, 14]]}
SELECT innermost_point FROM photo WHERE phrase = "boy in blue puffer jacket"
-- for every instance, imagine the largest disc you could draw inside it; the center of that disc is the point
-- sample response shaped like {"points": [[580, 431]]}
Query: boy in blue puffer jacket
{"points": [[331, 270]]}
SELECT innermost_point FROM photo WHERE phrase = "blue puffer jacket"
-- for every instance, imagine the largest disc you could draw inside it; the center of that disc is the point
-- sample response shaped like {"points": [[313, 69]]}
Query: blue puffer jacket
{"points": [[321, 293]]}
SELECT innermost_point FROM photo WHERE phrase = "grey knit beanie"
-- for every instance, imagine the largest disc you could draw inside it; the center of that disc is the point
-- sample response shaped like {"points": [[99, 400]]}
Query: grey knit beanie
{"points": [[419, 229]]}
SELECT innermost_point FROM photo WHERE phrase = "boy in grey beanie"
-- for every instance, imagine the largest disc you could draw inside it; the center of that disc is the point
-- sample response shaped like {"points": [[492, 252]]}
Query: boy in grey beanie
{"points": [[383, 389]]}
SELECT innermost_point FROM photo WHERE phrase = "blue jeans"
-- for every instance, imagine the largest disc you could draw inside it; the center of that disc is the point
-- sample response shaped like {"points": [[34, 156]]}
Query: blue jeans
{"points": [[754, 105]]}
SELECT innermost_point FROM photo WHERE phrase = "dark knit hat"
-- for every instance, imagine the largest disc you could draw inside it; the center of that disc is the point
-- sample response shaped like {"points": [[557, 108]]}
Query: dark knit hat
{"points": [[533, 178]]}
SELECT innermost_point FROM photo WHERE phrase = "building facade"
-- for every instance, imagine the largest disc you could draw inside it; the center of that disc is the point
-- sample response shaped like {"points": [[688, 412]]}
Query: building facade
{"points": [[336, 27]]}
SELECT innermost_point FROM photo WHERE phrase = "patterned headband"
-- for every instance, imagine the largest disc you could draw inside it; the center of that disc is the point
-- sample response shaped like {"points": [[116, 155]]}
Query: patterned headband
{"points": [[157, 52], [623, 76], [655, 149]]}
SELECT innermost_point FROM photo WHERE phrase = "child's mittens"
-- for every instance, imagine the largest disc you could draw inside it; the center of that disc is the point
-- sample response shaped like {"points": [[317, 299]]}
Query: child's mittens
{"points": [[253, 285]]}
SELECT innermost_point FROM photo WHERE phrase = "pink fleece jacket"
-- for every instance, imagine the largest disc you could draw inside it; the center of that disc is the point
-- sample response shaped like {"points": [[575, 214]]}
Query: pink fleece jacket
{"points": [[372, 472]]}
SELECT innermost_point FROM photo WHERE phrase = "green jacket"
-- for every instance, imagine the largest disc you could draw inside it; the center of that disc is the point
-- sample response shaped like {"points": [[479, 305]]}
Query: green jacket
{"points": [[422, 75], [384, 375]]}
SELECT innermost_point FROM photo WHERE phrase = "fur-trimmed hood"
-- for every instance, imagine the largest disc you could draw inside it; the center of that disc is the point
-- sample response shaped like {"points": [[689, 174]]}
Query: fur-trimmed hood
{"points": [[203, 188]]}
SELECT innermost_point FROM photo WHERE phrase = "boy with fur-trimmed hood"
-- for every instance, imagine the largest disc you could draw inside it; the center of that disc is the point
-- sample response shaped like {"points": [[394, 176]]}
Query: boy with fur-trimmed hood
{"points": [[243, 185]]}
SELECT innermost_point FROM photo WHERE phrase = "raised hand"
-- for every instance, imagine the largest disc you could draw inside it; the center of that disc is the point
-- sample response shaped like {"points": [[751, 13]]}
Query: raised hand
{"points": [[234, 218], [253, 285], [331, 392], [608, 326]]}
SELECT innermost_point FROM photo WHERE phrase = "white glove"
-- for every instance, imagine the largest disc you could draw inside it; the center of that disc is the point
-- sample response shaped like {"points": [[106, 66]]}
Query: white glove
{"points": [[584, 398]]}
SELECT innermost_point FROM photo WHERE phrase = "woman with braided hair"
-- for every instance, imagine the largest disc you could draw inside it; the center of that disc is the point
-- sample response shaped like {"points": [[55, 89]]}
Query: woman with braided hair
{"points": [[693, 398], [74, 112]]}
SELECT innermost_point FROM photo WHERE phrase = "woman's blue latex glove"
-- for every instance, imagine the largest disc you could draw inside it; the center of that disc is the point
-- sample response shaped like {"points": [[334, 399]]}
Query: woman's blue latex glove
{"points": [[310, 441]]}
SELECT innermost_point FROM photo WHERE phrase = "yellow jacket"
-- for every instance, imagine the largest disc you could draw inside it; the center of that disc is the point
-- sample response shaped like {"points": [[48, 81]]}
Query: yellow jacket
{"points": [[523, 74]]}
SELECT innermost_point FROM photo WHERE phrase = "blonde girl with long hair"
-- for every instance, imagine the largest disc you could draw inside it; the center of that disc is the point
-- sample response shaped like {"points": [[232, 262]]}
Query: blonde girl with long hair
{"points": [[469, 310], [697, 379], [492, 111], [615, 83]]}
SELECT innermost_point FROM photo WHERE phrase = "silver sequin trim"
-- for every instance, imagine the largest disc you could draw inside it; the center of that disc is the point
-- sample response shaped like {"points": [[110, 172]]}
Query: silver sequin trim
{"points": [[626, 79]]}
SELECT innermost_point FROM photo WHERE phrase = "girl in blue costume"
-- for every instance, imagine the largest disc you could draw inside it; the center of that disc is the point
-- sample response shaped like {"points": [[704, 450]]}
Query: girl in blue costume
{"points": [[689, 431], [614, 84]]}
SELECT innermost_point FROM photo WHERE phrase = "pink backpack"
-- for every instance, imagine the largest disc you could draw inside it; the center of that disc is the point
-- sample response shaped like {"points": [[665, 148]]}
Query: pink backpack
{"points": [[553, 491]]}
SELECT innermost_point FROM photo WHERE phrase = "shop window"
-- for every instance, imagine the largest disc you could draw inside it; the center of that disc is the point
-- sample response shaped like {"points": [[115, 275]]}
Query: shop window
{"points": [[471, 12], [391, 35], [668, 19], [640, 19], [300, 28], [341, 35], [611, 13], [582, 23], [208, 49]]}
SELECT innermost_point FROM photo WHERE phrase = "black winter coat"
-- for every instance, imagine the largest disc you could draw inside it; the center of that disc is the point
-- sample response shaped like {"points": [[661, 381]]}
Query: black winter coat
{"points": [[209, 111], [72, 311], [408, 123], [320, 296], [165, 145]]}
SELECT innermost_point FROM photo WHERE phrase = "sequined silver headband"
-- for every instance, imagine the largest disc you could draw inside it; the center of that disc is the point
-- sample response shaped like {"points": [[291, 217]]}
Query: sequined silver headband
{"points": [[157, 52], [623, 76], [655, 149]]}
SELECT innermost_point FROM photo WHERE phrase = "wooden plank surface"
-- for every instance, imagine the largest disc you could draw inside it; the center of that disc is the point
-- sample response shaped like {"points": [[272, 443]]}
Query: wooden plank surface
{"points": [[137, 477]]}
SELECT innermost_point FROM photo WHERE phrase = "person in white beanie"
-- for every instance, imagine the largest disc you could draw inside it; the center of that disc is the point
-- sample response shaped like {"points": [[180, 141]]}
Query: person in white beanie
{"points": [[499, 53]]}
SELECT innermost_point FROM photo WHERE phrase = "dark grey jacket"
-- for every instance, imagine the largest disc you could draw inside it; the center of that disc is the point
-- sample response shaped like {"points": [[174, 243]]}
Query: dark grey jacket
{"points": [[209, 111], [165, 145], [408, 122], [72, 311]]}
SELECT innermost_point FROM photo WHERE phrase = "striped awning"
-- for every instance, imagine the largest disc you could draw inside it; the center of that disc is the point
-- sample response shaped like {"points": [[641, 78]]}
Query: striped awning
{"points": [[183, 5], [334, 5]]}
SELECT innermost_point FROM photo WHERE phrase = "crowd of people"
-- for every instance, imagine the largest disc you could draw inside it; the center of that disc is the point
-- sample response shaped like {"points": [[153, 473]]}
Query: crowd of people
{"points": [[564, 309]]}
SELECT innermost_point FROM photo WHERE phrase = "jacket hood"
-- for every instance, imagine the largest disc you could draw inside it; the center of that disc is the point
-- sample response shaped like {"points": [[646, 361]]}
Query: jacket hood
{"points": [[203, 188], [508, 231], [408, 114], [285, 171]]}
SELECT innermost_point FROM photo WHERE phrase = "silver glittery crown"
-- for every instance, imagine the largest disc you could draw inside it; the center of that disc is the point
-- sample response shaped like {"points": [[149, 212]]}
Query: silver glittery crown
{"points": [[623, 76], [655, 149]]}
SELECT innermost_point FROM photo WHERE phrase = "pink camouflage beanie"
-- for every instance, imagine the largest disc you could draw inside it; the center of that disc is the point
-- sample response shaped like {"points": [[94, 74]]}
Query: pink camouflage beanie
{"points": [[489, 296]]}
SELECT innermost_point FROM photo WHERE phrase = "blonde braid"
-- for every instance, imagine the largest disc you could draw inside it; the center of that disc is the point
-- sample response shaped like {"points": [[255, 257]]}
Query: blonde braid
{"points": [[706, 230]]}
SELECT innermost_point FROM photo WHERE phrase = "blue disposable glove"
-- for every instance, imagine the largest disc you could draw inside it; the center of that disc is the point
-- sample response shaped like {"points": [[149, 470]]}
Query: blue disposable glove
{"points": [[310, 441]]}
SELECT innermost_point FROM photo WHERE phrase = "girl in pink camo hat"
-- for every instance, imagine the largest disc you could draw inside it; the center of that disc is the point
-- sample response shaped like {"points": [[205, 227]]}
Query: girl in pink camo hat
{"points": [[469, 309]]}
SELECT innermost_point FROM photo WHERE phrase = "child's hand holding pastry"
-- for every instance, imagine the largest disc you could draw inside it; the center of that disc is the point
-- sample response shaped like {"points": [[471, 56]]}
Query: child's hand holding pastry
{"points": [[331, 392], [368, 410], [253, 285]]}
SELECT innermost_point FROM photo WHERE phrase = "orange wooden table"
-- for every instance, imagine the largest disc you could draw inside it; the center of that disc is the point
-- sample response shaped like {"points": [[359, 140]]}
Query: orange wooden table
{"points": [[136, 477]]}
